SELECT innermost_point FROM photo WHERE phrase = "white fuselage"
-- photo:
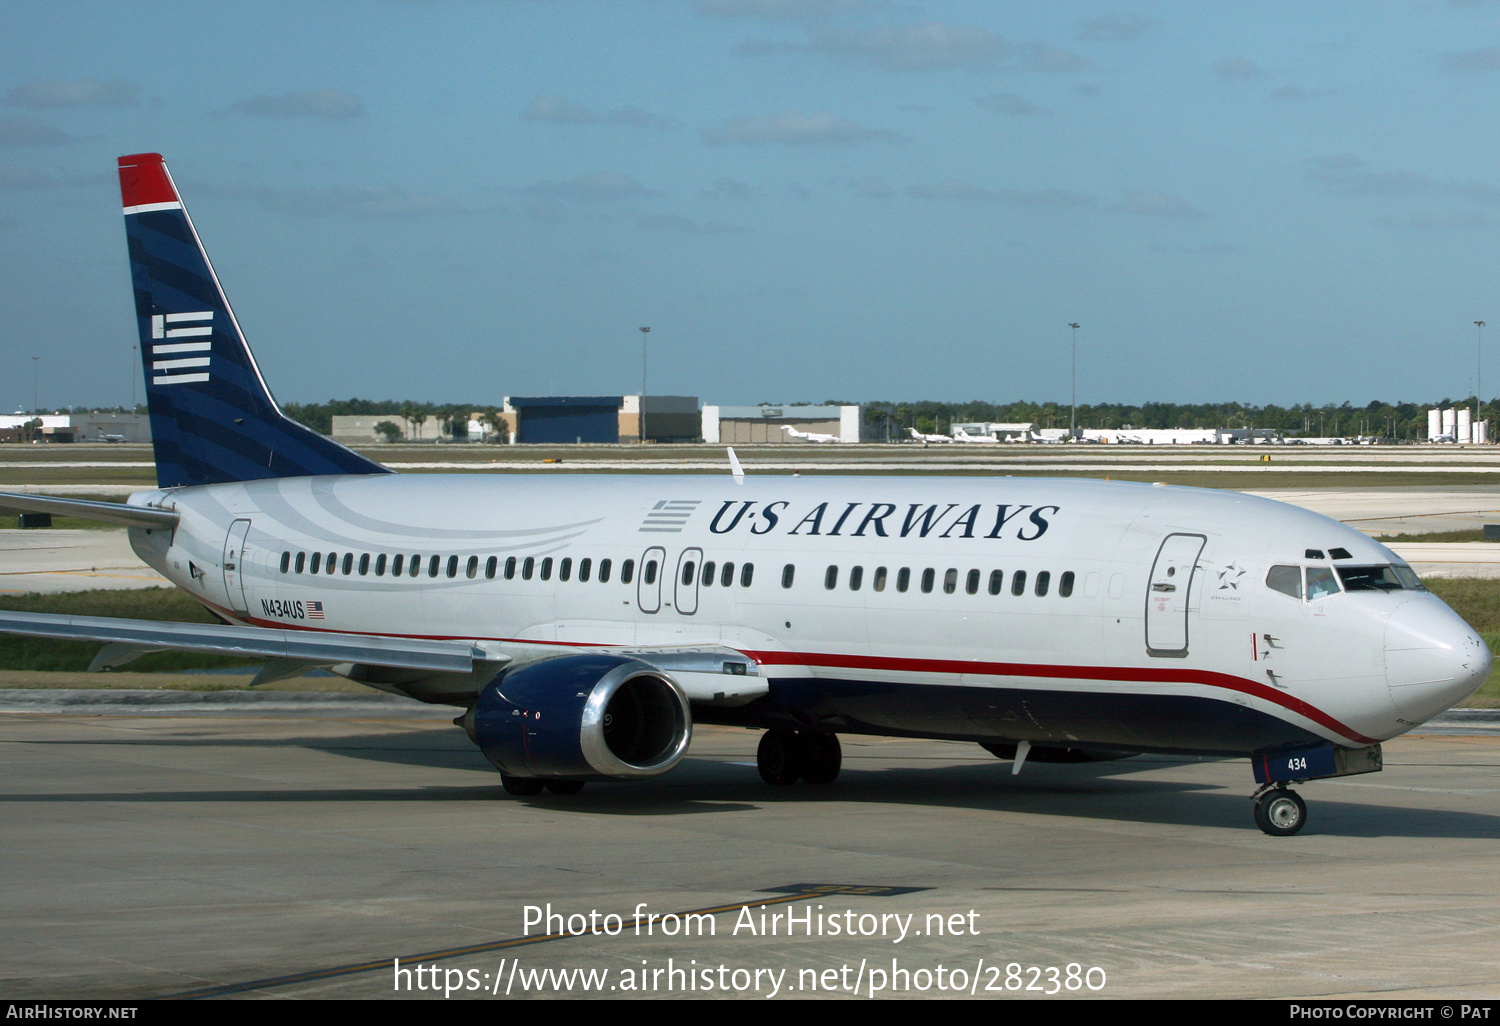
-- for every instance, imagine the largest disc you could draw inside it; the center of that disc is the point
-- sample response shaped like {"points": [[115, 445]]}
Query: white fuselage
{"points": [[1143, 621]]}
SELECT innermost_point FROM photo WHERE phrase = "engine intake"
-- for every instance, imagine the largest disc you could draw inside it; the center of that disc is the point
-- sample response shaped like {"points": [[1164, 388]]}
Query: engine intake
{"points": [[583, 717]]}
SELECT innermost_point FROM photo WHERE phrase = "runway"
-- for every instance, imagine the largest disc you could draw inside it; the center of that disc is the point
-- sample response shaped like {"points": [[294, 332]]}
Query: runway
{"points": [[297, 854]]}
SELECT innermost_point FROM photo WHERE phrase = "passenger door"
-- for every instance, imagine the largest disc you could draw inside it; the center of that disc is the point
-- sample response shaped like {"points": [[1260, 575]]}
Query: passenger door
{"points": [[234, 565], [1168, 594], [685, 588], [648, 580]]}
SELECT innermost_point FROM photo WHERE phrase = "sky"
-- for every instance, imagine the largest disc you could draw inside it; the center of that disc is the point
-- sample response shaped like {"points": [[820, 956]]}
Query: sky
{"points": [[805, 200]]}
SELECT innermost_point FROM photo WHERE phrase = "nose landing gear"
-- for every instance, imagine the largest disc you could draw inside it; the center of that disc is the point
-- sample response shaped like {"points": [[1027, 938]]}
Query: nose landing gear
{"points": [[1279, 810]]}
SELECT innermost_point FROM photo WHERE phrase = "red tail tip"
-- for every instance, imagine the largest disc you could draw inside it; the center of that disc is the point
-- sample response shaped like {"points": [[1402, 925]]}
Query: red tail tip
{"points": [[143, 180]]}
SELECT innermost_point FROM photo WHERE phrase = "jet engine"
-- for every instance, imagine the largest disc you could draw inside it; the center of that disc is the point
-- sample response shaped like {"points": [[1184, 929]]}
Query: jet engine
{"points": [[582, 717]]}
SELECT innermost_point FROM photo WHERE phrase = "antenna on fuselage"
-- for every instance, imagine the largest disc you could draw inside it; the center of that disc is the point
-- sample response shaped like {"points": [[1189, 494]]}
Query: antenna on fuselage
{"points": [[734, 466]]}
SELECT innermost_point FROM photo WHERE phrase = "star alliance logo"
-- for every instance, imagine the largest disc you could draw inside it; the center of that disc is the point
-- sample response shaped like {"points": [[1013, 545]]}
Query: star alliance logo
{"points": [[1229, 577]]}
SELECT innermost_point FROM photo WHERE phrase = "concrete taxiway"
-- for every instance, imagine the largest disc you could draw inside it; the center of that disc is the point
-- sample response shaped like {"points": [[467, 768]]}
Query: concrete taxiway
{"points": [[284, 852]]}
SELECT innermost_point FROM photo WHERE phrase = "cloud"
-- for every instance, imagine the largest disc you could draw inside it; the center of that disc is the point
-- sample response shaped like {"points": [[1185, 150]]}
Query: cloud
{"points": [[674, 223], [792, 128], [726, 188], [1011, 103], [598, 187], [1113, 28], [81, 93], [26, 132], [779, 10], [954, 189], [1349, 175], [328, 104], [1485, 59], [1150, 203], [930, 45], [1044, 58], [1237, 67], [1458, 220], [343, 201], [871, 187], [558, 110]]}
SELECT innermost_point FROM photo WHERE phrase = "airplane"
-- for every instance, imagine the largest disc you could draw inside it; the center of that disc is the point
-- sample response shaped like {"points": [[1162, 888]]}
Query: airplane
{"points": [[811, 436], [960, 435], [581, 625], [918, 436]]}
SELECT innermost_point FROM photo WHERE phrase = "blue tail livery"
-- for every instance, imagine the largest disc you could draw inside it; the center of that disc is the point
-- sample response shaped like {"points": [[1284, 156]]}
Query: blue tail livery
{"points": [[213, 419]]}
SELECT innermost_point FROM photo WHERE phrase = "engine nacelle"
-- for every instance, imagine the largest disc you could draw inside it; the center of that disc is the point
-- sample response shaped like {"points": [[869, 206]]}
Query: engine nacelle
{"points": [[582, 717]]}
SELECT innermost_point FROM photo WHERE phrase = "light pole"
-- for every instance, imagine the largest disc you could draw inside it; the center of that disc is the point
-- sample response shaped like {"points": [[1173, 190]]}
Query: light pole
{"points": [[644, 333], [36, 404], [1073, 417], [1478, 363]]}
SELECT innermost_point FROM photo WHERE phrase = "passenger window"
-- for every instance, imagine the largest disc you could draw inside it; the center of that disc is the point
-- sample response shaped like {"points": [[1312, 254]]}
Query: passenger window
{"points": [[1018, 583], [997, 579], [747, 574], [856, 577], [972, 584], [528, 567], [689, 571], [301, 561], [879, 583], [1043, 579], [928, 576], [604, 571], [585, 567], [380, 565], [1321, 582], [903, 578], [396, 564], [471, 570], [648, 572], [831, 578], [348, 563], [364, 564], [727, 575], [510, 568], [565, 569], [286, 561], [1285, 579], [1065, 585], [788, 573], [332, 564], [452, 566], [627, 571], [434, 565], [708, 573], [317, 563], [546, 573], [490, 566], [416, 565], [950, 581]]}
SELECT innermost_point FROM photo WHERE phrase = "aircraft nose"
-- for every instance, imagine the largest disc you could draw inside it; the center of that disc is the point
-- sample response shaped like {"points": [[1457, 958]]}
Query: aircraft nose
{"points": [[1433, 659]]}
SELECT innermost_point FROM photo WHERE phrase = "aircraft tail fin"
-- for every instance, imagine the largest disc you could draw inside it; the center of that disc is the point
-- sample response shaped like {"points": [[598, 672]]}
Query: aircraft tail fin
{"points": [[213, 419]]}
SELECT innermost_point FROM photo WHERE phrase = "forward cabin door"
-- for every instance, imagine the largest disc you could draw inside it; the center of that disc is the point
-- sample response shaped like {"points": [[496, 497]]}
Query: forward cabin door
{"points": [[234, 565], [1169, 593]]}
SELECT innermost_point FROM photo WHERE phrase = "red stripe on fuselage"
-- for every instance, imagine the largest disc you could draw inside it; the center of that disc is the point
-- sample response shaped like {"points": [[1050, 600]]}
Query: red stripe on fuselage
{"points": [[1132, 674]]}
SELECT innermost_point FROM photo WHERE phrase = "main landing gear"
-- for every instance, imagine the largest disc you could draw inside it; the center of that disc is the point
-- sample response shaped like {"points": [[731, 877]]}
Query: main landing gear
{"points": [[785, 756], [1279, 810]]}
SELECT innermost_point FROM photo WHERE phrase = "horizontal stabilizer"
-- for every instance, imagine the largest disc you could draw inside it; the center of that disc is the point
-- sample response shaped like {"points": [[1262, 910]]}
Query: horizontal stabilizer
{"points": [[85, 509]]}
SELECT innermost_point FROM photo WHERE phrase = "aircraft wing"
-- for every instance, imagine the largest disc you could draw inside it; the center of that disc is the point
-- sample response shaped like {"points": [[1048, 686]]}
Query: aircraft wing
{"points": [[107, 512], [288, 652]]}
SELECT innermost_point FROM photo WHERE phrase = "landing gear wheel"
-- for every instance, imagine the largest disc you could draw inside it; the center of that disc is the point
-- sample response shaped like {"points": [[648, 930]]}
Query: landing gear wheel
{"points": [[565, 786], [780, 757], [1280, 812], [822, 758], [520, 785]]}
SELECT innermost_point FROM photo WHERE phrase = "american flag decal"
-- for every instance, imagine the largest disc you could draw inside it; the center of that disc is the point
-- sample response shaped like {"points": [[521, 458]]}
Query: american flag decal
{"points": [[184, 350], [668, 516], [315, 610]]}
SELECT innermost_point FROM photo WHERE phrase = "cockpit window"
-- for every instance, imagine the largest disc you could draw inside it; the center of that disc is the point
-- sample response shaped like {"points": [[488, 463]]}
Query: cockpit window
{"points": [[1285, 579], [1320, 582], [1378, 578]]}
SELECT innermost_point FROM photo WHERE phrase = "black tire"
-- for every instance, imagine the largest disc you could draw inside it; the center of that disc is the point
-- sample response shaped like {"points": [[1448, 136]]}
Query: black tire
{"points": [[565, 786], [1280, 812], [822, 758], [523, 786], [780, 756]]}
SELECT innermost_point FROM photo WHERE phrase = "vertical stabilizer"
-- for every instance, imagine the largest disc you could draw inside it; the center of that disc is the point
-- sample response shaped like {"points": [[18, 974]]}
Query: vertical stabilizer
{"points": [[212, 417]]}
